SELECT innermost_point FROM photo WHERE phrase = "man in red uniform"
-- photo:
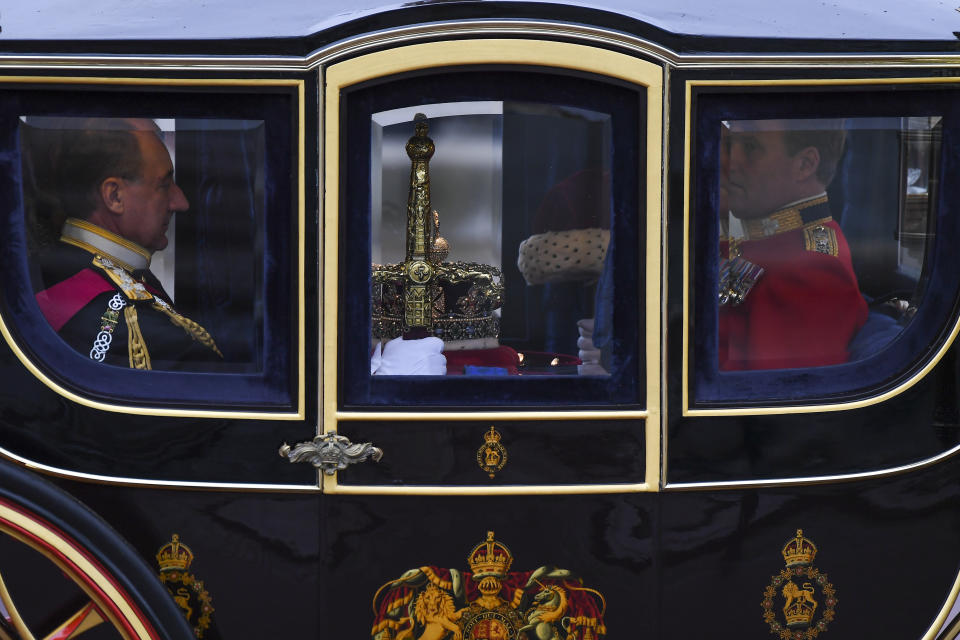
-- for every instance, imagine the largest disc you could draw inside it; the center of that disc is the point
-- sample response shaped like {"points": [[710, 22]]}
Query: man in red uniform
{"points": [[788, 294]]}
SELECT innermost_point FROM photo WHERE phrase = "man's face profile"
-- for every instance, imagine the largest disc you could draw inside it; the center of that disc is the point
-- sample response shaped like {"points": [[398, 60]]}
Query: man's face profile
{"points": [[142, 207], [761, 176]]}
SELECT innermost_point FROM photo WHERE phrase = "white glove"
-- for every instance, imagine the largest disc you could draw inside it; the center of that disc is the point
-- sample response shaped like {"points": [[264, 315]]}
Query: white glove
{"points": [[585, 327], [401, 357], [588, 353]]}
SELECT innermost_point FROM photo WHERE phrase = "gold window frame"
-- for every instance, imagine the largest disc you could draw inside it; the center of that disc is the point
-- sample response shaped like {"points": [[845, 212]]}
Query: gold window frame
{"points": [[536, 53], [780, 409]]}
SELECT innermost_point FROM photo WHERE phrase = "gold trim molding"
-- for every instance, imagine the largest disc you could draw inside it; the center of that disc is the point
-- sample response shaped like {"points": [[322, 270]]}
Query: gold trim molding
{"points": [[539, 53]]}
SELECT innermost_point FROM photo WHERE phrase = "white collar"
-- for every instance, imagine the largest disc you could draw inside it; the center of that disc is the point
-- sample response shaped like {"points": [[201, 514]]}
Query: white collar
{"points": [[98, 240]]}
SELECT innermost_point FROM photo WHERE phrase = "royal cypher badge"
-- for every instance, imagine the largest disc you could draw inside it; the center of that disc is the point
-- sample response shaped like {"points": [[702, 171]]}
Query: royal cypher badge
{"points": [[489, 602], [492, 455], [174, 559], [801, 593]]}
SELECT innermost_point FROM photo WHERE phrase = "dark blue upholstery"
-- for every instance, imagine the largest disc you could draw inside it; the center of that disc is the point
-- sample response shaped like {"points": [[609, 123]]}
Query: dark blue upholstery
{"points": [[879, 331]]}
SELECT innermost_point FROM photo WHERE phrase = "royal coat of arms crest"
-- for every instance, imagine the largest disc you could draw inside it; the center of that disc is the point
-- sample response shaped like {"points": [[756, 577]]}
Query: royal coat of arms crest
{"points": [[489, 602]]}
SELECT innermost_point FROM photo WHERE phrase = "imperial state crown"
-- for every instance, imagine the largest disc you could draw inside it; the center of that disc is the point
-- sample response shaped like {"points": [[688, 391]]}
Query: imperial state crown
{"points": [[425, 295]]}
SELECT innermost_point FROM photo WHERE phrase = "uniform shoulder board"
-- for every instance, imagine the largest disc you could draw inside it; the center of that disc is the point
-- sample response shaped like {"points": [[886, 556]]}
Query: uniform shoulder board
{"points": [[821, 239]]}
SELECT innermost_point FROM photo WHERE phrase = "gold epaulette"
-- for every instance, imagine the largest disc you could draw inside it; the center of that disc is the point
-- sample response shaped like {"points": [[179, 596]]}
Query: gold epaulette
{"points": [[821, 239]]}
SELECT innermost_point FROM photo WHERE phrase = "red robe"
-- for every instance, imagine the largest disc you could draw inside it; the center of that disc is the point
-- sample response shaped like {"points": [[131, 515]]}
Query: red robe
{"points": [[806, 307]]}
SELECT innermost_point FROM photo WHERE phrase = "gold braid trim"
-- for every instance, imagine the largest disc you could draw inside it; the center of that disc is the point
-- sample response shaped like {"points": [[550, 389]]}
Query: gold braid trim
{"points": [[136, 346], [193, 329], [517, 597], [137, 291]]}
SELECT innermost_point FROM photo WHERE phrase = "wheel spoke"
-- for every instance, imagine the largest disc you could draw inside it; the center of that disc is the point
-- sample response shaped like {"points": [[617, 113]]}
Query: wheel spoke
{"points": [[87, 618], [12, 614]]}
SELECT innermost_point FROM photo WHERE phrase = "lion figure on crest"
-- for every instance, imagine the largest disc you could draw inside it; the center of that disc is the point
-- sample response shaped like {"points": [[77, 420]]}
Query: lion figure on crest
{"points": [[792, 592], [435, 610]]}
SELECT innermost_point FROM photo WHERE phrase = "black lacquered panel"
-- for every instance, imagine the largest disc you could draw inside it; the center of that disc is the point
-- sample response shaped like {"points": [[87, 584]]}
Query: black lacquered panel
{"points": [[603, 542], [256, 554], [894, 536], [536, 452]]}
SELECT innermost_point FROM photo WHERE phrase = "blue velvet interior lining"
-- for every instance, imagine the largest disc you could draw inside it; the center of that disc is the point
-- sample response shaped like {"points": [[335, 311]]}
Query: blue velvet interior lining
{"points": [[627, 108], [272, 387], [940, 283]]}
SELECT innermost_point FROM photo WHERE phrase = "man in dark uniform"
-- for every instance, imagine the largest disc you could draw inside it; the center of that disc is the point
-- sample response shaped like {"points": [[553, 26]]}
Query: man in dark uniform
{"points": [[115, 184], [788, 294]]}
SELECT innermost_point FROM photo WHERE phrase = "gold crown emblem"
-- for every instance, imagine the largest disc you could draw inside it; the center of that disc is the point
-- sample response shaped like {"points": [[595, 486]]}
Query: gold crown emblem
{"points": [[799, 550], [174, 555], [800, 605], [490, 558], [491, 436]]}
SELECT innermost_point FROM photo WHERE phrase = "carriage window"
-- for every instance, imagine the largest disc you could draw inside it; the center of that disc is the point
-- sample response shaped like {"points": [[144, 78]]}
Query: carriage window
{"points": [[821, 234], [134, 264], [154, 244], [498, 260], [824, 226], [455, 195]]}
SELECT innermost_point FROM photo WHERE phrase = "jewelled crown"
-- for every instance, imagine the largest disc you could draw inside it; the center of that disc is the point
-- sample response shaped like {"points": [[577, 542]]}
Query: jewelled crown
{"points": [[490, 558], [174, 555], [425, 295], [799, 550]]}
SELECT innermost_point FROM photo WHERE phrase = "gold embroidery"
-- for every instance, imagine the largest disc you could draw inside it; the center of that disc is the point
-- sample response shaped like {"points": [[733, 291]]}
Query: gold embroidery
{"points": [[782, 221], [92, 249], [137, 291], [98, 241], [820, 239], [131, 288], [136, 346], [112, 237]]}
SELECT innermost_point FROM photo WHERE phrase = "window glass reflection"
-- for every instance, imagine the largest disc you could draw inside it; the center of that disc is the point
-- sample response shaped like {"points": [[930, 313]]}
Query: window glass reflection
{"points": [[135, 264], [824, 231], [467, 192]]}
